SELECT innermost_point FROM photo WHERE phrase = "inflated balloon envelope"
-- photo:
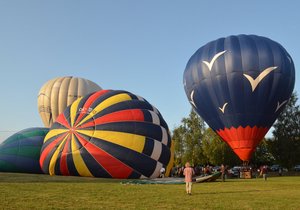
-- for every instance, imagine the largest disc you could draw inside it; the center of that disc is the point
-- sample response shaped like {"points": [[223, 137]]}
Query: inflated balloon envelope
{"points": [[58, 93], [239, 85], [111, 134], [21, 151]]}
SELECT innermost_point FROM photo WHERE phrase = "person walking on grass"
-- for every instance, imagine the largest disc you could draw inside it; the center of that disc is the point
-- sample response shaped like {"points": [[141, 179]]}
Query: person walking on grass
{"points": [[264, 172], [188, 174]]}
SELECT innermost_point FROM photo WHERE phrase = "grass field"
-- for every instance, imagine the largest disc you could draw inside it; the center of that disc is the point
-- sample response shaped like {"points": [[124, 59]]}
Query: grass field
{"points": [[27, 191]]}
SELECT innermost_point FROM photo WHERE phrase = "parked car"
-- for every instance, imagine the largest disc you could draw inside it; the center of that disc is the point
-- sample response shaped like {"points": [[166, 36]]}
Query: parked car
{"points": [[297, 168], [275, 167], [216, 168], [235, 171]]}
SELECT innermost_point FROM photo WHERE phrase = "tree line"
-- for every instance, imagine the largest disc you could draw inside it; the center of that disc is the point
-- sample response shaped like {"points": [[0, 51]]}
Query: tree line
{"points": [[200, 145]]}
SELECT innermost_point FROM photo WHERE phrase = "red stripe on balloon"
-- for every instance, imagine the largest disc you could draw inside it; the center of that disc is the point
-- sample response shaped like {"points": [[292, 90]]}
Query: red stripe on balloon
{"points": [[63, 159], [112, 165], [88, 103], [119, 116], [61, 119], [49, 147], [243, 141]]}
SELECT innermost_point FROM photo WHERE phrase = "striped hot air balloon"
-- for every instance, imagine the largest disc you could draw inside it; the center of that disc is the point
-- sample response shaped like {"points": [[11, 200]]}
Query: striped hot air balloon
{"points": [[111, 134], [58, 93], [21, 151], [239, 85]]}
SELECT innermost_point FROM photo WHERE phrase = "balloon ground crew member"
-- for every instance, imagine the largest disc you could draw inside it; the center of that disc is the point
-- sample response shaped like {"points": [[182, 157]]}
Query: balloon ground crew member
{"points": [[264, 172]]}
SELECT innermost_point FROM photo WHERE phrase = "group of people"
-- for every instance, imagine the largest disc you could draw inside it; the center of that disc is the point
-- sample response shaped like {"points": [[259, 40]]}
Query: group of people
{"points": [[188, 172], [199, 170]]}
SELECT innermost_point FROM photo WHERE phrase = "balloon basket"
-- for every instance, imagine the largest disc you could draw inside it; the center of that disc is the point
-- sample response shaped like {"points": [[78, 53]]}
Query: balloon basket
{"points": [[245, 175], [246, 172]]}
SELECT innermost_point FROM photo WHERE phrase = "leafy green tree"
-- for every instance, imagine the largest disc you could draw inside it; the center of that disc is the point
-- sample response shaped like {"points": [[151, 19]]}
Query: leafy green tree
{"points": [[262, 154], [285, 145], [188, 139], [216, 151], [179, 145]]}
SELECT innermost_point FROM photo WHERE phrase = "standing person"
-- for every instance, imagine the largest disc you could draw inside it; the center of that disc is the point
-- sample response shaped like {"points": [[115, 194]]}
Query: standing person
{"points": [[188, 173], [162, 172], [264, 172], [223, 172], [280, 171]]}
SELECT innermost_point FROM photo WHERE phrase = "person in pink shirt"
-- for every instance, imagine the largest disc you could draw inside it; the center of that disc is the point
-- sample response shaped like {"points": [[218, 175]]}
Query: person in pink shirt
{"points": [[188, 174]]}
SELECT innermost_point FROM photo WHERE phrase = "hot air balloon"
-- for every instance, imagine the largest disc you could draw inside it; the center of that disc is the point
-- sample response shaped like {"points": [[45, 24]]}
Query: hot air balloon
{"points": [[110, 134], [21, 151], [239, 85], [56, 94]]}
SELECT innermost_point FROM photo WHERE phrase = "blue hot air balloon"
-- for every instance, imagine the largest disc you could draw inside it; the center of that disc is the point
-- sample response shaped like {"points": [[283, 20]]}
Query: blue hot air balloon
{"points": [[239, 85]]}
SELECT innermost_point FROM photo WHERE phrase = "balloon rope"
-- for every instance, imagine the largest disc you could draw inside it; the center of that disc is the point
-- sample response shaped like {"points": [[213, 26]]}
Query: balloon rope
{"points": [[245, 163]]}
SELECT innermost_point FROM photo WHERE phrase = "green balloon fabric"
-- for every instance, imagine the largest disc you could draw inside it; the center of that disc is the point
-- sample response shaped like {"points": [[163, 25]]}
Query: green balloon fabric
{"points": [[21, 151]]}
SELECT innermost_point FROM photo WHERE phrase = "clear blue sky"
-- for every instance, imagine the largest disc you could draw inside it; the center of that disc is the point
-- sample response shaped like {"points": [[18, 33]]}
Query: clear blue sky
{"points": [[135, 45]]}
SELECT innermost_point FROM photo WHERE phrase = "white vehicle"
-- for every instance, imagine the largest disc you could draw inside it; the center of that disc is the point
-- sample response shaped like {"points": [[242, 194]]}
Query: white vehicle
{"points": [[297, 168]]}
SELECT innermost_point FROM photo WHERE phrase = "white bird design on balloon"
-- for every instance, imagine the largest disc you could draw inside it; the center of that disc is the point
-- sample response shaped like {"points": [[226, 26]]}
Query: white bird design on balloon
{"points": [[211, 63], [289, 59], [223, 108], [280, 105], [259, 78], [192, 99]]}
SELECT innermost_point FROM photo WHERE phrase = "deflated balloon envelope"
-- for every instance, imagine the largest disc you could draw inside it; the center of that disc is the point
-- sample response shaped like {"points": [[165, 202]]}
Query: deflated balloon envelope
{"points": [[112, 134], [56, 94], [21, 151], [239, 85]]}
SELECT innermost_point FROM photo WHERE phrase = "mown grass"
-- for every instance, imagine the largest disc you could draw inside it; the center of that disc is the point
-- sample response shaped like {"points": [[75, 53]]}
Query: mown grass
{"points": [[27, 191]]}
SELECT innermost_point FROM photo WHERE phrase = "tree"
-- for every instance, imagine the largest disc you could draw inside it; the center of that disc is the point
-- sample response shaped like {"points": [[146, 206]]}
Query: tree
{"points": [[262, 154], [285, 146], [200, 146], [178, 144], [216, 151], [188, 139]]}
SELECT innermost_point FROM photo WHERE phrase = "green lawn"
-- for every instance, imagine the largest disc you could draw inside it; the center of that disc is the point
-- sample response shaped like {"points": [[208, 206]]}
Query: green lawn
{"points": [[26, 191]]}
